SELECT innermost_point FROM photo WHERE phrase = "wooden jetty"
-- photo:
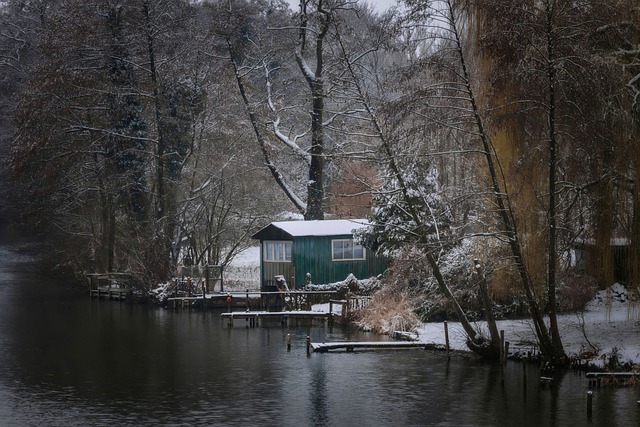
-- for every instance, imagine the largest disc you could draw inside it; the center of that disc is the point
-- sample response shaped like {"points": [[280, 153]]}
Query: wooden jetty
{"points": [[109, 293], [281, 301], [325, 347], [109, 285], [595, 378], [255, 318]]}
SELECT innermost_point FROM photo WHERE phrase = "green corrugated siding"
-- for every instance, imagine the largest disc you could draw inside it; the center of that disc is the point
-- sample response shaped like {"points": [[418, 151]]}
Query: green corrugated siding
{"points": [[313, 255]]}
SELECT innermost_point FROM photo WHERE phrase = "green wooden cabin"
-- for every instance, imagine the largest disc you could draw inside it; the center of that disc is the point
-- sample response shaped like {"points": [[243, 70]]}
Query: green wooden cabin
{"points": [[324, 249]]}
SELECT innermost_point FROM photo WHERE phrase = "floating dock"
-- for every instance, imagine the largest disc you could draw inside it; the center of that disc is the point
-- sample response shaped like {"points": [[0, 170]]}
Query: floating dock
{"points": [[325, 347]]}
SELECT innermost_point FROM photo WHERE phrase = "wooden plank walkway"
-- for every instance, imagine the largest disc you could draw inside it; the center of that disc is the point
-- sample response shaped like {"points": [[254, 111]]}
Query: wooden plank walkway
{"points": [[254, 317], [325, 347], [300, 313]]}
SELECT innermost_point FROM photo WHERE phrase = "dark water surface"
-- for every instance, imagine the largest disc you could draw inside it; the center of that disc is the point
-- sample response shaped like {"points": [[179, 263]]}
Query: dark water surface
{"points": [[67, 360]]}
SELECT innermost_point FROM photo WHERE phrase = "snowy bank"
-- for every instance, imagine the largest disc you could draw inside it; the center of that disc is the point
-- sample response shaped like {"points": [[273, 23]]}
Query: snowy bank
{"points": [[608, 328]]}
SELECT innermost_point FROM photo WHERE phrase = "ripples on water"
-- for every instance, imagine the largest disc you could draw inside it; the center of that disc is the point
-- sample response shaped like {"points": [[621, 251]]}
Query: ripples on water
{"points": [[71, 361]]}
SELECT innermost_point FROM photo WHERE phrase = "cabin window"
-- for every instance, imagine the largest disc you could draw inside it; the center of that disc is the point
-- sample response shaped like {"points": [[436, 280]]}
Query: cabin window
{"points": [[277, 251], [347, 250]]}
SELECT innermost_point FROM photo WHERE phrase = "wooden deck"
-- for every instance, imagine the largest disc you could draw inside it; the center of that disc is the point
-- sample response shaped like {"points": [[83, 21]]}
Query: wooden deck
{"points": [[325, 347], [255, 318], [285, 301]]}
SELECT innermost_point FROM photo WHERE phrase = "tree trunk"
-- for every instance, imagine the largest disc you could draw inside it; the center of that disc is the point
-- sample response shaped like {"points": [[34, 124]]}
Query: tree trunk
{"points": [[280, 180], [315, 185], [164, 225], [553, 147], [488, 308], [504, 207], [474, 339]]}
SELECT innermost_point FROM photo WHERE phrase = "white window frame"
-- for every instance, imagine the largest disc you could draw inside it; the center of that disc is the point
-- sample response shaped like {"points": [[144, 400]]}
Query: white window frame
{"points": [[354, 246], [277, 250]]}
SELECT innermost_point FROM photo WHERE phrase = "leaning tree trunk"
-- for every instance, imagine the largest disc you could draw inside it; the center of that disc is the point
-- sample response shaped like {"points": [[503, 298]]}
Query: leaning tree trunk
{"points": [[504, 206], [474, 339]]}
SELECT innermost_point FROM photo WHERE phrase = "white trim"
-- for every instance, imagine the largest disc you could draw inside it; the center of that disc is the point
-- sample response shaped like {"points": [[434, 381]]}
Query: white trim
{"points": [[354, 247], [278, 250]]}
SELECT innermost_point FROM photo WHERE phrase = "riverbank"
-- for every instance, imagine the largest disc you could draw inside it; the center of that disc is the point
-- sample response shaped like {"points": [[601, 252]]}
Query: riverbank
{"points": [[606, 334], [607, 330]]}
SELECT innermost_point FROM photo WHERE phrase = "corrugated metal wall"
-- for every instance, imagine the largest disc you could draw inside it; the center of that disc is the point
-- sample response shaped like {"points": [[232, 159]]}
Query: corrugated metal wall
{"points": [[313, 255]]}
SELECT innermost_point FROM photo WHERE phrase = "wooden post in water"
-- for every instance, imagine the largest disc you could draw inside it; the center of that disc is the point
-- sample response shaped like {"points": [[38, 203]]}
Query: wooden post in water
{"points": [[589, 405], [330, 318], [503, 357], [446, 337], [288, 342], [308, 345]]}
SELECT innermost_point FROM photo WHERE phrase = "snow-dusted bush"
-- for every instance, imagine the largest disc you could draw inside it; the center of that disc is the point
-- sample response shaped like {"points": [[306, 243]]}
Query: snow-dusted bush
{"points": [[350, 284], [159, 294], [456, 266], [414, 215]]}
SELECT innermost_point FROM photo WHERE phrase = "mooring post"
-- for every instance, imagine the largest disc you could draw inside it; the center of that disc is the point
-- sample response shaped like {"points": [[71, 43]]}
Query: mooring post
{"points": [[502, 352], [308, 345], [288, 342], [446, 337], [330, 315], [589, 404]]}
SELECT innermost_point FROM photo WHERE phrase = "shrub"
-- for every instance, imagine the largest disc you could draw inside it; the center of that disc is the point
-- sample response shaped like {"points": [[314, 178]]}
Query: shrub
{"points": [[575, 291]]}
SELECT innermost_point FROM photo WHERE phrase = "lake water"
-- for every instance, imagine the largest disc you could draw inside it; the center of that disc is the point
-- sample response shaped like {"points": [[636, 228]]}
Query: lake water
{"points": [[67, 360]]}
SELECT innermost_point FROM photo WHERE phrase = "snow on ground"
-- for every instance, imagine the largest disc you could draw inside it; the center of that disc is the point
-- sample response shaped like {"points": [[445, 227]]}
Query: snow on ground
{"points": [[244, 270], [609, 325]]}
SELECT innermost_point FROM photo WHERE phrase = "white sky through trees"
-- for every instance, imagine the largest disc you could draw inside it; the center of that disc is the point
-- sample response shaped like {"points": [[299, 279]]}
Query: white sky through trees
{"points": [[380, 5]]}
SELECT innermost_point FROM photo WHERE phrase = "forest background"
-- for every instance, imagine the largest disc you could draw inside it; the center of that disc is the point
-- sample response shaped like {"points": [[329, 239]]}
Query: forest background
{"points": [[492, 143]]}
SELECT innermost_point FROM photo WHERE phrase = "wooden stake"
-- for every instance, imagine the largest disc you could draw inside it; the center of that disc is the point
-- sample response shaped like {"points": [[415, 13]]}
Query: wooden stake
{"points": [[446, 337]]}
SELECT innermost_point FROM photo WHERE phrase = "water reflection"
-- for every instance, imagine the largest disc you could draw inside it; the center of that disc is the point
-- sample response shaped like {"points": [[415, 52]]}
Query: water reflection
{"points": [[69, 360]]}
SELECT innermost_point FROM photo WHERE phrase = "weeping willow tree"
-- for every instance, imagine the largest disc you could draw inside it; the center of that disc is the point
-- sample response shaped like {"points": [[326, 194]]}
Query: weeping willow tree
{"points": [[542, 101], [558, 126], [623, 41]]}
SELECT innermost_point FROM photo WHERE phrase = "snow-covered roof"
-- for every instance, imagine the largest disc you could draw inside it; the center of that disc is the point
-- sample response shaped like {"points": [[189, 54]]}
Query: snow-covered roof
{"points": [[330, 227]]}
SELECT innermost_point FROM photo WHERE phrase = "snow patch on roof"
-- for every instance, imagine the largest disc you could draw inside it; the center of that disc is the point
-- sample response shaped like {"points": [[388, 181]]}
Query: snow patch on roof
{"points": [[330, 227]]}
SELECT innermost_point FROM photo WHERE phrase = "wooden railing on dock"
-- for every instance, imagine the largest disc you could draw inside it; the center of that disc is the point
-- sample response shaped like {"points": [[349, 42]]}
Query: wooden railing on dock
{"points": [[595, 378], [255, 318], [273, 301], [109, 285]]}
